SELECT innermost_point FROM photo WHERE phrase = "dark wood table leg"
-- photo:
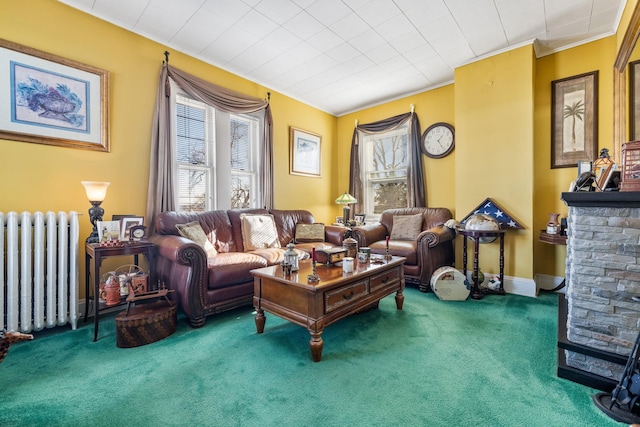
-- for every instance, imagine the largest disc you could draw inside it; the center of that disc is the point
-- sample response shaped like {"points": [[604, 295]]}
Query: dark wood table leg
{"points": [[96, 296], [464, 255], [315, 345], [476, 293], [399, 299], [502, 263], [87, 267], [260, 320]]}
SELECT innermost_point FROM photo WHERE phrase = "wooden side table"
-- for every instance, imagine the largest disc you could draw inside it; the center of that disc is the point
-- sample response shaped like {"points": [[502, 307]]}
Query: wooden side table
{"points": [[93, 258], [553, 239], [476, 235]]}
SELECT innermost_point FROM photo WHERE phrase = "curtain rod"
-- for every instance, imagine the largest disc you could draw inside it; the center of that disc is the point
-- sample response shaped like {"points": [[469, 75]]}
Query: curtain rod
{"points": [[166, 57]]}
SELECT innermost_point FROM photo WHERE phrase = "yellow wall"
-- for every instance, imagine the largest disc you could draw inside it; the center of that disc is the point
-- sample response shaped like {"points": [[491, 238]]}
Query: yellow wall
{"points": [[624, 22], [431, 107], [45, 177], [500, 107], [494, 147], [42, 177], [549, 183]]}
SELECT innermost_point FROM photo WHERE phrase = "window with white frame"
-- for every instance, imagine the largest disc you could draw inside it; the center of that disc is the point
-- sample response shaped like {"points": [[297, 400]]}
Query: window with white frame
{"points": [[384, 160], [216, 157]]}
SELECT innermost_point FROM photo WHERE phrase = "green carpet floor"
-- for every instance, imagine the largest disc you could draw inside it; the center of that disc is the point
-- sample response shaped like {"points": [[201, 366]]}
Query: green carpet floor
{"points": [[435, 363]]}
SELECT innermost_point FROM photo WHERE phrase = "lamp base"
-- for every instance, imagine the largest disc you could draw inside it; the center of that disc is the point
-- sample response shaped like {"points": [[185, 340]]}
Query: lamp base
{"points": [[93, 237], [95, 215], [346, 213]]}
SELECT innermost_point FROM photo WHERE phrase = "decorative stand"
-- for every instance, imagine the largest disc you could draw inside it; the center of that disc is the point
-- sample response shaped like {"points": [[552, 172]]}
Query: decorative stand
{"points": [[476, 236]]}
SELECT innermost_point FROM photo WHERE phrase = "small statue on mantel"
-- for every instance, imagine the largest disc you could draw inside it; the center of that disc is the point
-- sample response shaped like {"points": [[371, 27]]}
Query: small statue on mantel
{"points": [[602, 162]]}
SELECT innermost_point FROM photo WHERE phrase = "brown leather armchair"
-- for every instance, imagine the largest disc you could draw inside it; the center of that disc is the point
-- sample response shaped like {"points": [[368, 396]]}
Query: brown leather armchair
{"points": [[432, 249]]}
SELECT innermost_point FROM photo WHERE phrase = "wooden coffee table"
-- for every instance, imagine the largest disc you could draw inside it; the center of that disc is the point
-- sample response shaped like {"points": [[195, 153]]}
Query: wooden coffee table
{"points": [[336, 296]]}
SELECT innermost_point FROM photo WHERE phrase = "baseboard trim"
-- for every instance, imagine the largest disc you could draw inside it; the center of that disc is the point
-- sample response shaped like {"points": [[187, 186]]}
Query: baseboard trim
{"points": [[520, 286], [513, 285], [81, 305]]}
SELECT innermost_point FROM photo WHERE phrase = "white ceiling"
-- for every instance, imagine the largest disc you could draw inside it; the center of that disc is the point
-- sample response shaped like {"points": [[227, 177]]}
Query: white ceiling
{"points": [[343, 55]]}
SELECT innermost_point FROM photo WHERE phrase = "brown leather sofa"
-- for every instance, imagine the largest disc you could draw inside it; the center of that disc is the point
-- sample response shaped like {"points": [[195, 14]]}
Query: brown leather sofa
{"points": [[430, 250], [204, 286]]}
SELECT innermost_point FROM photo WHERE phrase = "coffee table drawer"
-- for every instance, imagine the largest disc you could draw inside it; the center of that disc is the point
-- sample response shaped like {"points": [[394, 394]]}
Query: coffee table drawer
{"points": [[345, 295], [385, 279]]}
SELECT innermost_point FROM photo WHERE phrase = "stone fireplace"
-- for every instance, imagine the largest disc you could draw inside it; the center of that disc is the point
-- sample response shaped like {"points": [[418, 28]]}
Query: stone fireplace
{"points": [[598, 320]]}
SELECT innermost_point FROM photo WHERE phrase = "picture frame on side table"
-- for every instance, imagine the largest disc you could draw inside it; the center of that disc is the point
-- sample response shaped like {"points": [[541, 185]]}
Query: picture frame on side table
{"points": [[51, 100], [126, 223], [305, 152], [574, 119], [359, 218], [108, 231]]}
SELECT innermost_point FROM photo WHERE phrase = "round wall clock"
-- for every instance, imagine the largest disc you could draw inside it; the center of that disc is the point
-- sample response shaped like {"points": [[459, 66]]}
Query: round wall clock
{"points": [[438, 140]]}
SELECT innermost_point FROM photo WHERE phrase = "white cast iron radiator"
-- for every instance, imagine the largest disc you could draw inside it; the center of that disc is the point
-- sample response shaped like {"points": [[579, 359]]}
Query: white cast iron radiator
{"points": [[39, 275]]}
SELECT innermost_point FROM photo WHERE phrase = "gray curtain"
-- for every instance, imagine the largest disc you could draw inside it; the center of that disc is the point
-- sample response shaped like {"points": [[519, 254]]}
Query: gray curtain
{"points": [[162, 173], [416, 192]]}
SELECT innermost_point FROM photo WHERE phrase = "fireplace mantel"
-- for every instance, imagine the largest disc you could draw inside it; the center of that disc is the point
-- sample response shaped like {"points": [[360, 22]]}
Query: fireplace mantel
{"points": [[597, 330], [597, 199]]}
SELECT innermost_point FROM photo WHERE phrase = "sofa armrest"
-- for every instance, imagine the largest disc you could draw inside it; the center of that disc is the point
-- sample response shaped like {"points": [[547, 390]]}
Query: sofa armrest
{"points": [[176, 248], [334, 234], [436, 235], [181, 265], [369, 233]]}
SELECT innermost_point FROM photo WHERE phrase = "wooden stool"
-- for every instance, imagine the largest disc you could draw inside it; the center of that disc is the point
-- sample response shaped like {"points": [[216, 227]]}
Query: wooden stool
{"points": [[145, 324]]}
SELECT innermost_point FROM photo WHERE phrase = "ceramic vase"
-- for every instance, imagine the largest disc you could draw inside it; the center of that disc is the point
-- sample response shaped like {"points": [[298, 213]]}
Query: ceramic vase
{"points": [[552, 225]]}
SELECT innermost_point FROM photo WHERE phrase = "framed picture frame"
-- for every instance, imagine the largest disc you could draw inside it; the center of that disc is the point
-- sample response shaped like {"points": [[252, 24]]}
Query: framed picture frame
{"points": [[634, 99], [339, 220], [305, 152], [126, 223], [574, 120], [48, 99], [359, 218], [108, 231]]}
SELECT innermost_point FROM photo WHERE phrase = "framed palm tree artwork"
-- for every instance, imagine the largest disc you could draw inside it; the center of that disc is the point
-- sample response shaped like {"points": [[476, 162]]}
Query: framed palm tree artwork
{"points": [[574, 120]]}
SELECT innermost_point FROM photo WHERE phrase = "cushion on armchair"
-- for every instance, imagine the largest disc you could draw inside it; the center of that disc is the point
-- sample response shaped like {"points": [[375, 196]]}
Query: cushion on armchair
{"points": [[406, 227], [307, 233], [193, 231], [258, 232]]}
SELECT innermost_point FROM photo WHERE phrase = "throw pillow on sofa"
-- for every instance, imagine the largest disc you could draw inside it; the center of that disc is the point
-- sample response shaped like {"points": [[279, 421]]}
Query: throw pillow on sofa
{"points": [[258, 232], [406, 227], [193, 231], [307, 233]]}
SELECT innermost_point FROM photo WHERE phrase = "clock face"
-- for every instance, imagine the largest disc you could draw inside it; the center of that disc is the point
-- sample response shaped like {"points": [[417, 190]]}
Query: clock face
{"points": [[138, 232], [438, 140]]}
